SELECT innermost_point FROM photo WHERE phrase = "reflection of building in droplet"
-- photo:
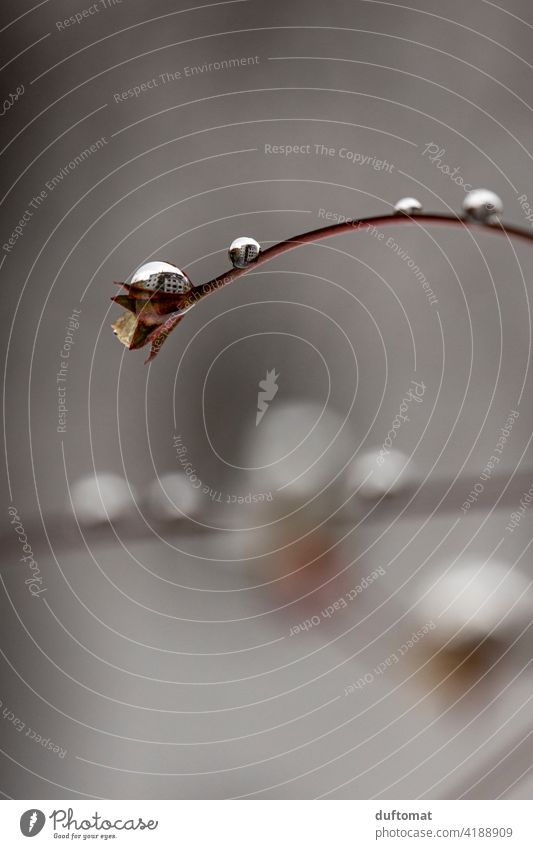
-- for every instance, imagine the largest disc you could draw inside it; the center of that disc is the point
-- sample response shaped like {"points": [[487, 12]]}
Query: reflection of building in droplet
{"points": [[172, 496], [482, 205], [167, 283], [162, 276], [101, 497], [372, 475], [408, 206], [243, 251]]}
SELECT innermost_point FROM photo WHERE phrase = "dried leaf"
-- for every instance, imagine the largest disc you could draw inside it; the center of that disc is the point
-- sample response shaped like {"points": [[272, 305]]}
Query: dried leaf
{"points": [[130, 331]]}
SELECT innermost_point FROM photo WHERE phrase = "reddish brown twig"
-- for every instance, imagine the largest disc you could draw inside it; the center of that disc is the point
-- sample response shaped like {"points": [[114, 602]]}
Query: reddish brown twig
{"points": [[155, 314]]}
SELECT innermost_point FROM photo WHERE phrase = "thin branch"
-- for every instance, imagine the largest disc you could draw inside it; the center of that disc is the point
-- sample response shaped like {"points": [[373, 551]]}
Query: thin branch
{"points": [[358, 224], [162, 312]]}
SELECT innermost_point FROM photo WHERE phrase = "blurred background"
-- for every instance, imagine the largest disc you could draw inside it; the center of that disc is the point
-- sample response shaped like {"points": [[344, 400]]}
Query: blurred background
{"points": [[333, 600]]}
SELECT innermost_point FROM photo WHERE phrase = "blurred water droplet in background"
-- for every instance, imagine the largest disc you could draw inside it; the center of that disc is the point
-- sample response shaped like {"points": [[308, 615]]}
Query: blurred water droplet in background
{"points": [[374, 474], [475, 599], [299, 449], [173, 496], [101, 497]]}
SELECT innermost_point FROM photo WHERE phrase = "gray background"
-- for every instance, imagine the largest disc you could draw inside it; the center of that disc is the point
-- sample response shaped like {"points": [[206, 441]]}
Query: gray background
{"points": [[163, 669]]}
